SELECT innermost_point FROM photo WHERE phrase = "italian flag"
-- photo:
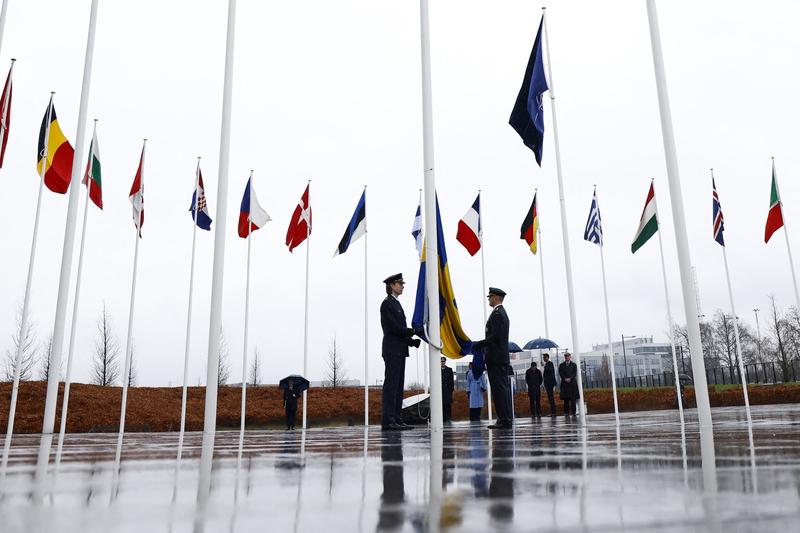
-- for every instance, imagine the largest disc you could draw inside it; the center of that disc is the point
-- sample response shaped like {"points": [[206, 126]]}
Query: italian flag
{"points": [[775, 215], [648, 224], [92, 176]]}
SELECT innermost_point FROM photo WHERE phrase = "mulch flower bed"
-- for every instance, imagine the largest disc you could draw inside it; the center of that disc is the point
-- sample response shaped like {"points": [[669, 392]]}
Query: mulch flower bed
{"points": [[95, 408]]}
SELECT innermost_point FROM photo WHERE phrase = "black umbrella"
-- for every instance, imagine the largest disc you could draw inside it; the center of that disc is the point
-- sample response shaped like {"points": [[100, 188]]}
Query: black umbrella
{"points": [[299, 383]]}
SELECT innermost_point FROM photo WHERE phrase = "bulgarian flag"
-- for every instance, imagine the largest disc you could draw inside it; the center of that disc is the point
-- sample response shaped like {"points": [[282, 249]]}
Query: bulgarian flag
{"points": [[775, 215], [648, 224], [92, 176]]}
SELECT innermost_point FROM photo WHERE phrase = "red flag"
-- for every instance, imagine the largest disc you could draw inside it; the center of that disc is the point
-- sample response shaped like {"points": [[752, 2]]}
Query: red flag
{"points": [[5, 114], [136, 196], [300, 226], [775, 215]]}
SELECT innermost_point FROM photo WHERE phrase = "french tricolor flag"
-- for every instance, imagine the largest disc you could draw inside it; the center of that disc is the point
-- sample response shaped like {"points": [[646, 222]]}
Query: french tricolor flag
{"points": [[251, 215], [469, 228]]}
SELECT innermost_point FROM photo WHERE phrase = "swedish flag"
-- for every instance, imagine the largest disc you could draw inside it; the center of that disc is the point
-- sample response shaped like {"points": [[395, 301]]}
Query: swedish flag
{"points": [[455, 343]]}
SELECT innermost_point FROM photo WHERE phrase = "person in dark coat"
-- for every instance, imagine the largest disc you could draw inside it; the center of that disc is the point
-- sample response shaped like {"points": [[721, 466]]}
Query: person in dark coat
{"points": [[549, 381], [533, 377], [290, 396], [448, 386], [495, 347], [568, 371], [397, 337]]}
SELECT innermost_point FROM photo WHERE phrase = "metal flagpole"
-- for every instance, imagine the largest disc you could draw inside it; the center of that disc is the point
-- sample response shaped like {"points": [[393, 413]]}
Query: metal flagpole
{"points": [[483, 298], [23, 323], [305, 324], [73, 327], [127, 367], [541, 268], [366, 318], [564, 233], [431, 236], [69, 233], [679, 220], [3, 11], [246, 329], [215, 321], [670, 323], [608, 323], [185, 388], [786, 234], [736, 330]]}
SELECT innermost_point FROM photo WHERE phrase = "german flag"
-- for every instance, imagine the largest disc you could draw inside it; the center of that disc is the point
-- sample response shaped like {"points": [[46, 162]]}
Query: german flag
{"points": [[54, 154], [530, 227]]}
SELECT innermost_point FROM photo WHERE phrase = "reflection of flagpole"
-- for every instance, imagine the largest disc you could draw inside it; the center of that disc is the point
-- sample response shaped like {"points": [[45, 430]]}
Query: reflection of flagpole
{"points": [[51, 400], [670, 324], [431, 235], [185, 389], [23, 323], [679, 221], [564, 232], [127, 367], [366, 317], [246, 331], [305, 324], [67, 380], [483, 295]]}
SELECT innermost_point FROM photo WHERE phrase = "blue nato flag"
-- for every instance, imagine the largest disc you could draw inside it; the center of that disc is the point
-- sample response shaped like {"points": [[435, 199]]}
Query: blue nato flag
{"points": [[527, 118]]}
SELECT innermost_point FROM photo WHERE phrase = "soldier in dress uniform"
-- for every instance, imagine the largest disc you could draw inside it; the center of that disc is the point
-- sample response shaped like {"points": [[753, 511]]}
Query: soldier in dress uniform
{"points": [[568, 371], [496, 357], [397, 337]]}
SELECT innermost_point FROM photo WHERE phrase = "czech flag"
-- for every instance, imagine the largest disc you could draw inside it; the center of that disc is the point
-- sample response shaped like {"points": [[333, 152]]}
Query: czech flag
{"points": [[251, 215]]}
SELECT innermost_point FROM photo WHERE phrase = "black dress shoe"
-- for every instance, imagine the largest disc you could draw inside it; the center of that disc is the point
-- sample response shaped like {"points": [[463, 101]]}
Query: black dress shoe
{"points": [[392, 427], [403, 425], [499, 426]]}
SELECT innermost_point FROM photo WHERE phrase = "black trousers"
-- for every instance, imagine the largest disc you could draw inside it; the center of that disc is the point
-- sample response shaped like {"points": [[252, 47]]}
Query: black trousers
{"points": [[474, 414], [535, 399], [569, 407], [498, 379], [393, 382], [447, 411], [551, 399], [291, 414]]}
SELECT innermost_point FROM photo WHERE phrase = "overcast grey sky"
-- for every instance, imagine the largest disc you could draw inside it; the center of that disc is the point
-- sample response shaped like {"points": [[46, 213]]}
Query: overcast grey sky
{"points": [[330, 91]]}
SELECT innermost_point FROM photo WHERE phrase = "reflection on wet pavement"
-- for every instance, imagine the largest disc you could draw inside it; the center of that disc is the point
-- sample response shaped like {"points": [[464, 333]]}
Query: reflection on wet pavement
{"points": [[548, 474]]}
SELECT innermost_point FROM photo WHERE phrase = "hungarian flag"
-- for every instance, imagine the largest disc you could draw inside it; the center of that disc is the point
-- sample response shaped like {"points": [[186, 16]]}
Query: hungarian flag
{"points": [[530, 227], [91, 177], [469, 232], [251, 215], [648, 224], [54, 154], [300, 225], [775, 216], [136, 195], [5, 114]]}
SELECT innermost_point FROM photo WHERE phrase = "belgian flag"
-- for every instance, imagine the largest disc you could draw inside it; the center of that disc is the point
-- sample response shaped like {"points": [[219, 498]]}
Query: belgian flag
{"points": [[54, 153]]}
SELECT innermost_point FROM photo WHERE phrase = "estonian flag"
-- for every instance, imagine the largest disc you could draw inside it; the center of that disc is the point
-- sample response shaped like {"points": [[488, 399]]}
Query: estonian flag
{"points": [[199, 202], [527, 118], [356, 228]]}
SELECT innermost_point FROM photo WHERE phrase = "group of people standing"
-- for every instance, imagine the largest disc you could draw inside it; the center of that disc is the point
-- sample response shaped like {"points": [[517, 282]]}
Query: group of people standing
{"points": [[568, 391], [397, 337]]}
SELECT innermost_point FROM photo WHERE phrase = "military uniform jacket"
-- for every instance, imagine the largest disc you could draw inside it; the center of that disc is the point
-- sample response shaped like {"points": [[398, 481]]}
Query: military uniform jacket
{"points": [[569, 391], [396, 334], [448, 384], [496, 341]]}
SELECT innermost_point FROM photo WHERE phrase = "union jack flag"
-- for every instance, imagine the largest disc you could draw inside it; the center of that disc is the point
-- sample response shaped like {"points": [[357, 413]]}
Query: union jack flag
{"points": [[719, 224]]}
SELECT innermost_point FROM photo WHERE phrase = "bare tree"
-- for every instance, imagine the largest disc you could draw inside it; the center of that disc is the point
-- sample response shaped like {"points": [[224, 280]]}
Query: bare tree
{"points": [[223, 365], [777, 325], [132, 374], [725, 338], [336, 374], [26, 345], [105, 367], [255, 369], [44, 362]]}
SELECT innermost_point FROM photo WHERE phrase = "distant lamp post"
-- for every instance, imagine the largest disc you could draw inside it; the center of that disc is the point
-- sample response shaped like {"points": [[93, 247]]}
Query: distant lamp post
{"points": [[624, 354]]}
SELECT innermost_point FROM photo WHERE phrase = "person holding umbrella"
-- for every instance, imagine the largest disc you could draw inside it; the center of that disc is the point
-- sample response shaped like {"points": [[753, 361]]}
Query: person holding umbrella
{"points": [[293, 386]]}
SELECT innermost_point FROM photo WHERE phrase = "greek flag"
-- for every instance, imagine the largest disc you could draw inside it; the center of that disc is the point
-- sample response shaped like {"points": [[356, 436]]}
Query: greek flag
{"points": [[594, 229]]}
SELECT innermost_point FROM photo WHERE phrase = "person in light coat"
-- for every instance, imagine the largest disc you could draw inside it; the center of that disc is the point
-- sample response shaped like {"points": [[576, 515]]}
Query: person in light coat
{"points": [[476, 386]]}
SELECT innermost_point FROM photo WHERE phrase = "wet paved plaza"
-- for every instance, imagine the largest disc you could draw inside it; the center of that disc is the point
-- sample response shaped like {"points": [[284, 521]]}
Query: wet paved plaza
{"points": [[548, 475]]}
